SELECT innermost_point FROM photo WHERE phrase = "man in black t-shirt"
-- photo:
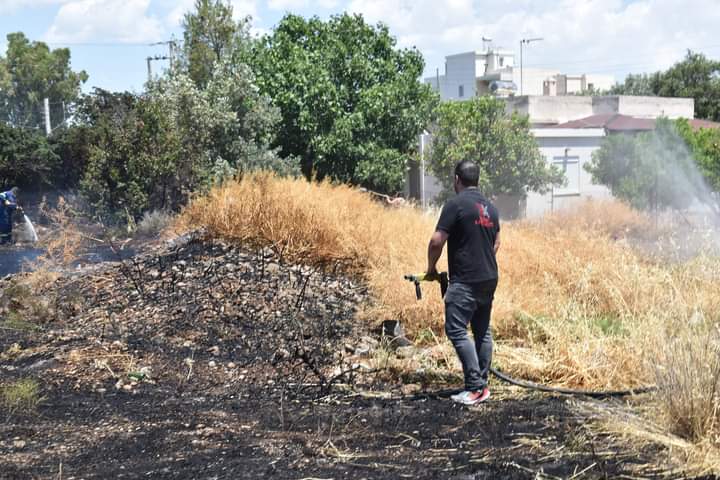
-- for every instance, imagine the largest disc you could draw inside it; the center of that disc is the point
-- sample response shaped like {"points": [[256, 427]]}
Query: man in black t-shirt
{"points": [[470, 225]]}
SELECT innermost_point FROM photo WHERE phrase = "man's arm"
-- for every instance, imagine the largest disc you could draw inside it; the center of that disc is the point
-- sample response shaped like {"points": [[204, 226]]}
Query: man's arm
{"points": [[435, 247]]}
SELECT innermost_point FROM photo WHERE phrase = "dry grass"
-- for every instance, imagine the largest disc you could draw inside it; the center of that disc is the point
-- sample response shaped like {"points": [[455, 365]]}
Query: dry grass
{"points": [[576, 305], [689, 375], [62, 245], [21, 396]]}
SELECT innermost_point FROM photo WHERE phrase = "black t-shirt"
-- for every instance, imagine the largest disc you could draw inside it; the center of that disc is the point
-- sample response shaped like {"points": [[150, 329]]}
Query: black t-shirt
{"points": [[472, 224]]}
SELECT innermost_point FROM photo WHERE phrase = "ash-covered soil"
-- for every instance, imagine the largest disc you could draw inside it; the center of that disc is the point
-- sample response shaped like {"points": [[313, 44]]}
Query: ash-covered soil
{"points": [[210, 361]]}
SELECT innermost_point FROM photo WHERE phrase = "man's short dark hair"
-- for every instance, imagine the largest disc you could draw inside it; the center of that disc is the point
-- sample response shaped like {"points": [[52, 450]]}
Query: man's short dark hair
{"points": [[468, 172]]}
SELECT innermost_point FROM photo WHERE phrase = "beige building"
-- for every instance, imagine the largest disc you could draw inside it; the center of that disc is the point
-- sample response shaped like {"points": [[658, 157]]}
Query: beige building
{"points": [[494, 71]]}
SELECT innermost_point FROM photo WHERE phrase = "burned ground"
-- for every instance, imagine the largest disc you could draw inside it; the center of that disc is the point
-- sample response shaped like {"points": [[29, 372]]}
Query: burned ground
{"points": [[210, 361]]}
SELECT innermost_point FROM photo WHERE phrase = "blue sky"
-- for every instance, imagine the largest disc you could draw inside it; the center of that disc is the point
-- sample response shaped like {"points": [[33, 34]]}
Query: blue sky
{"points": [[110, 38]]}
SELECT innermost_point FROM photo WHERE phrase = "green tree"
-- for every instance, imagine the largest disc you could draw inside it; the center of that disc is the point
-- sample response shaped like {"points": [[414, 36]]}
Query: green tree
{"points": [[705, 146], [211, 35], [154, 151], [31, 72], [637, 84], [479, 130], [695, 77], [352, 106], [650, 170], [130, 154], [26, 158]]}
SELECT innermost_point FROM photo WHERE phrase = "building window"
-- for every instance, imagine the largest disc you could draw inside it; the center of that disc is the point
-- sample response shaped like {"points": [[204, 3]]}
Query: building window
{"points": [[571, 167], [461, 91]]}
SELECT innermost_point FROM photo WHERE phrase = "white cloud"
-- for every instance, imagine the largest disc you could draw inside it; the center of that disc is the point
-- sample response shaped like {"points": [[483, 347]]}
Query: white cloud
{"points": [[105, 21], [288, 4], [295, 5], [8, 6], [594, 36]]}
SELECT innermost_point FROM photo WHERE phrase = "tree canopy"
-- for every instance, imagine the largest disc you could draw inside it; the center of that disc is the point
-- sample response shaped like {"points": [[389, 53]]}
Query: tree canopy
{"points": [[210, 35], [351, 103], [695, 77], [31, 72], [479, 130], [650, 170]]}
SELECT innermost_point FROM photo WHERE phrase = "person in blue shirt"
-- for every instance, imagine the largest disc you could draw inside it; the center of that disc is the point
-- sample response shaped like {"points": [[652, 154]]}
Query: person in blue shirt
{"points": [[8, 206]]}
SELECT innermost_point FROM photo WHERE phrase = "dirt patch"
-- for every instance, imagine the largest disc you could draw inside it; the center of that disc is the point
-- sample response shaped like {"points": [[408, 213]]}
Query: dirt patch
{"points": [[209, 361]]}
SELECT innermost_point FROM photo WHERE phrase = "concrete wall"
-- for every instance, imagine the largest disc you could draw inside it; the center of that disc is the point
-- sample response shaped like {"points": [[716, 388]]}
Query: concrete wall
{"points": [[645, 107], [580, 143], [544, 110], [460, 71], [548, 110], [533, 79]]}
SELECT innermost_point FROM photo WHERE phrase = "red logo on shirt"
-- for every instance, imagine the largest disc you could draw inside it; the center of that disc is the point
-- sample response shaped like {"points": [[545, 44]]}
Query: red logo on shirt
{"points": [[484, 219]]}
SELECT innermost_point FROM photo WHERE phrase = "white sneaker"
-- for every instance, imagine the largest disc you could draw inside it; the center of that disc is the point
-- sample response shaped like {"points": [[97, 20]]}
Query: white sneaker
{"points": [[471, 398]]}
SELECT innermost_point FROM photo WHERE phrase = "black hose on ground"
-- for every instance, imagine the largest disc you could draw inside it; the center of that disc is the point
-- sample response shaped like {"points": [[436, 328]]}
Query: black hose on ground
{"points": [[569, 391], [536, 386]]}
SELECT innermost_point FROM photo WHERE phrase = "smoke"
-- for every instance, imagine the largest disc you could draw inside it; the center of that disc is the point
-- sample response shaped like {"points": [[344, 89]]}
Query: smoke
{"points": [[678, 180], [679, 196]]}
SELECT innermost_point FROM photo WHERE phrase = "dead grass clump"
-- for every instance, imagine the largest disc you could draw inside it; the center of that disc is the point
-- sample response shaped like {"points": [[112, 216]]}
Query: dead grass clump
{"points": [[153, 223], [21, 396], [65, 240], [611, 217], [574, 306], [688, 375]]}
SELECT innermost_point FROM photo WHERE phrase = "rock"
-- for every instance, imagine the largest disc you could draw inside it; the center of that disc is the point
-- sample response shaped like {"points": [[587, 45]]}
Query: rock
{"points": [[212, 364], [393, 330], [405, 352], [231, 365], [41, 364], [19, 444], [215, 350], [410, 389]]}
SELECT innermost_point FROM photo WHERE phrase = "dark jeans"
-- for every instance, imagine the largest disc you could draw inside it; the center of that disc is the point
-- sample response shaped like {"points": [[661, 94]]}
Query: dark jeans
{"points": [[471, 303]]}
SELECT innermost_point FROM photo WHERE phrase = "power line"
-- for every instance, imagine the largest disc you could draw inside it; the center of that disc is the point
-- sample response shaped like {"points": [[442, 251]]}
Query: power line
{"points": [[595, 60], [101, 44]]}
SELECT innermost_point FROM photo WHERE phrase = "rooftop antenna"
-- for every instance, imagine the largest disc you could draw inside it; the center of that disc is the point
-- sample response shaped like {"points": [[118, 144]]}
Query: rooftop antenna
{"points": [[486, 41]]}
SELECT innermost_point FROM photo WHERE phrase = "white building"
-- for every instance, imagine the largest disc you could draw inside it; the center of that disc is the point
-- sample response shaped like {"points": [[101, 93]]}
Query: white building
{"points": [[568, 129], [494, 71]]}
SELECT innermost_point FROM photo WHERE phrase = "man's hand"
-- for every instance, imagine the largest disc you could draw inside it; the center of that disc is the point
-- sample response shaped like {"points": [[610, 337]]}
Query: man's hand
{"points": [[437, 242]]}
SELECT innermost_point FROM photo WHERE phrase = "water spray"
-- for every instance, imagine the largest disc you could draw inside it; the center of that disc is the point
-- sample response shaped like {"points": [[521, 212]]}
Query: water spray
{"points": [[30, 228]]}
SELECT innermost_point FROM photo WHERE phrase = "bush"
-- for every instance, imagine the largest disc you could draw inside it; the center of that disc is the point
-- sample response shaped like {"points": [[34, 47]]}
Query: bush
{"points": [[26, 158], [21, 396]]}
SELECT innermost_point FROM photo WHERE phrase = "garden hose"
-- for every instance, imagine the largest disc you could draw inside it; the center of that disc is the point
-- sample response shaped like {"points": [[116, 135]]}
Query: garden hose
{"points": [[417, 278]]}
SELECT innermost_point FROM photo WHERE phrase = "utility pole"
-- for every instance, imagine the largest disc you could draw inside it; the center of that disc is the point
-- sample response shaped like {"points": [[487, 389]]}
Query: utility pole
{"points": [[172, 53], [422, 169], [48, 128], [149, 67], [524, 40]]}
